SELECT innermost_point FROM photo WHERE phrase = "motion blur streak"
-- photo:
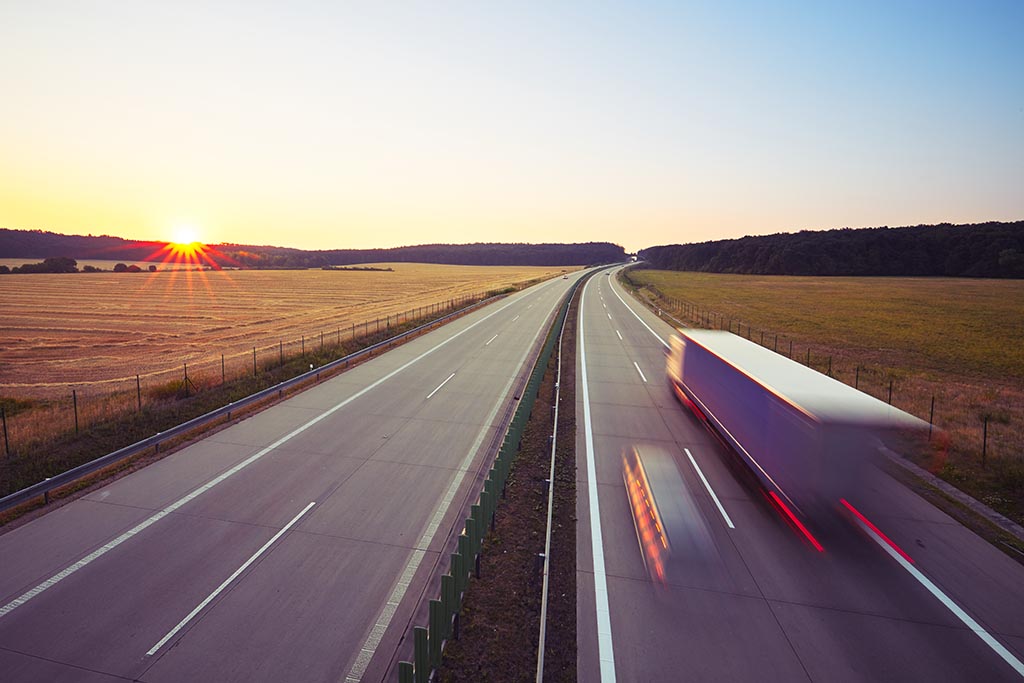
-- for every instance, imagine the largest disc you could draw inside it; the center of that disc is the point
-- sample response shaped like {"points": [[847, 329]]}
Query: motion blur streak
{"points": [[874, 528], [799, 525], [649, 528]]}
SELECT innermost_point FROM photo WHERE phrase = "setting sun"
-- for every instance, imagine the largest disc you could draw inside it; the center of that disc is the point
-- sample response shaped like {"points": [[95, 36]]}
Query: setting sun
{"points": [[185, 234]]}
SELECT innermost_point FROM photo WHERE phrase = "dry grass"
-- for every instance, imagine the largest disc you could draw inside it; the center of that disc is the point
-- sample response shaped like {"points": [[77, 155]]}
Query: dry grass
{"points": [[93, 333], [81, 330], [959, 340]]}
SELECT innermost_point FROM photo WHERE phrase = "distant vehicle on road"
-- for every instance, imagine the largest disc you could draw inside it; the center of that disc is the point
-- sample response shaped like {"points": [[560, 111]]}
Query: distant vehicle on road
{"points": [[806, 436], [669, 525]]}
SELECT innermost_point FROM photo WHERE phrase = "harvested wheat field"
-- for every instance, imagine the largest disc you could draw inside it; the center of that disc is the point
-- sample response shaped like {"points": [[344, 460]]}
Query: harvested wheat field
{"points": [[97, 331]]}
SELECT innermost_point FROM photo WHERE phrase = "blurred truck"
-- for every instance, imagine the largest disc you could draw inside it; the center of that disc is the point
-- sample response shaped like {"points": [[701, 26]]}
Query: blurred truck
{"points": [[806, 436]]}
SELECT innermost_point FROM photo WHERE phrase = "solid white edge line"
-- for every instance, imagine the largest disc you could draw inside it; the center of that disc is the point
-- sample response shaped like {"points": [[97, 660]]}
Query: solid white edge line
{"points": [[707, 485], [640, 371], [605, 649], [960, 614], [490, 340], [373, 639], [620, 334], [438, 388], [656, 335], [141, 526], [227, 581]]}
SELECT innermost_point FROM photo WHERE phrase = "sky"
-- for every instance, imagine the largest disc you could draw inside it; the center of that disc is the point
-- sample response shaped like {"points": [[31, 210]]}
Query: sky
{"points": [[354, 125]]}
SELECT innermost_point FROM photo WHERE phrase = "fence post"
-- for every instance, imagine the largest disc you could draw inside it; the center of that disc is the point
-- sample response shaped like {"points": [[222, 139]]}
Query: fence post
{"points": [[254, 361], [280, 352], [790, 348], [856, 379], [138, 392], [984, 442], [830, 366], [186, 380], [222, 368], [808, 356], [7, 444], [303, 346], [890, 391], [321, 340], [74, 401], [776, 349], [931, 418]]}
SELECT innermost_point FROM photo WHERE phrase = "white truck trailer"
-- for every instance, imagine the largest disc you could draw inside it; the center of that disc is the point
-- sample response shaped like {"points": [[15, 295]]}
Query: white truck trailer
{"points": [[806, 436]]}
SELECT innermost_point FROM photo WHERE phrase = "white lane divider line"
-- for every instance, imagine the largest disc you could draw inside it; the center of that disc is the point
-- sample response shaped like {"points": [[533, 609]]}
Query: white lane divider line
{"points": [[490, 340], [387, 613], [707, 485], [605, 649], [963, 616], [640, 371], [141, 526], [656, 335], [227, 581], [515, 318], [609, 316], [441, 385], [620, 334]]}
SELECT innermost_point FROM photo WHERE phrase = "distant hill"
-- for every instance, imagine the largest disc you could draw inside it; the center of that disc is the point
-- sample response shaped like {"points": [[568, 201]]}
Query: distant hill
{"points": [[976, 250], [37, 244]]}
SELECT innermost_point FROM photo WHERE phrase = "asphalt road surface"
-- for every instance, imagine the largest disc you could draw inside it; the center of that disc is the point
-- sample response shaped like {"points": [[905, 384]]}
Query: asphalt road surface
{"points": [[295, 545], [761, 603]]}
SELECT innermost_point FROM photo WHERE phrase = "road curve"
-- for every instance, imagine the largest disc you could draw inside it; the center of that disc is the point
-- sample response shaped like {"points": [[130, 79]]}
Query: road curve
{"points": [[295, 545], [762, 603]]}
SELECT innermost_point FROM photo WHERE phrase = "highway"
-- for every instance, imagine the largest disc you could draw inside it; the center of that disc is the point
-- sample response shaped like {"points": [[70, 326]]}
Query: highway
{"points": [[295, 545], [763, 603]]}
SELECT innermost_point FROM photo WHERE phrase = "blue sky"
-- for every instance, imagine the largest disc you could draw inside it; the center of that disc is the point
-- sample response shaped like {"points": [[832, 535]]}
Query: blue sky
{"points": [[316, 125]]}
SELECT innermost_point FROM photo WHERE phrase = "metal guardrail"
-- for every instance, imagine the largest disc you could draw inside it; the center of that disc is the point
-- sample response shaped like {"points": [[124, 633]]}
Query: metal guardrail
{"points": [[44, 487]]}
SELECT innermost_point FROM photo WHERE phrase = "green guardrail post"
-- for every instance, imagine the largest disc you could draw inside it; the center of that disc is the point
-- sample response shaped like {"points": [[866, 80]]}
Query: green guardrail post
{"points": [[476, 514], [487, 503], [474, 536], [466, 551], [421, 654], [493, 484], [450, 600], [405, 673], [436, 632]]}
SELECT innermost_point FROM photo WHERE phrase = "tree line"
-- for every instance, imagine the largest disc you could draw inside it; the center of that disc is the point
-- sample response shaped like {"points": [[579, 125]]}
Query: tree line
{"points": [[64, 264], [975, 250], [41, 244]]}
